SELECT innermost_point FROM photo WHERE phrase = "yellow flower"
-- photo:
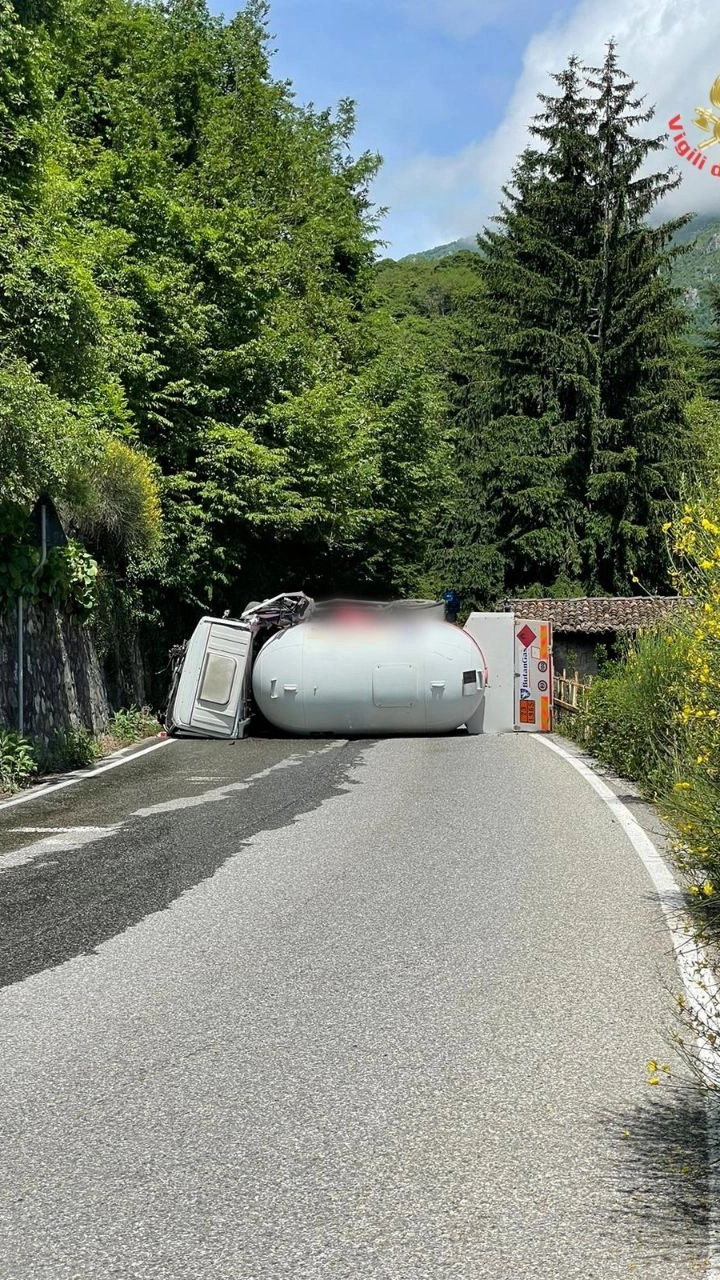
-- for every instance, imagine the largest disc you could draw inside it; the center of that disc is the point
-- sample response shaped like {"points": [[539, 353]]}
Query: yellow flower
{"points": [[682, 786], [707, 889], [666, 526]]}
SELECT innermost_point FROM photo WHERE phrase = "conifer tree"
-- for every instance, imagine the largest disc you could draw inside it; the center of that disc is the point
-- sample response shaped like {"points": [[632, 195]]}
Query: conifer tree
{"points": [[643, 442], [535, 435], [578, 439]]}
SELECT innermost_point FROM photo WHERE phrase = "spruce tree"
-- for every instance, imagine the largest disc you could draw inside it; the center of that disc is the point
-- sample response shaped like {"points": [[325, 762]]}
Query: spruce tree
{"points": [[533, 439], [577, 439], [643, 443]]}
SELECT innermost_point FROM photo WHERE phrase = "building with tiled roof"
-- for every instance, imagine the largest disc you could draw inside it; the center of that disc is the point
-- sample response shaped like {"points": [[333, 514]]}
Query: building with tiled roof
{"points": [[593, 615], [581, 625]]}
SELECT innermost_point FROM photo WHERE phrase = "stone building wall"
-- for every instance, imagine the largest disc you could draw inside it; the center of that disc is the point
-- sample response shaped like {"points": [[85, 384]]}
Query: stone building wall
{"points": [[578, 652], [65, 684]]}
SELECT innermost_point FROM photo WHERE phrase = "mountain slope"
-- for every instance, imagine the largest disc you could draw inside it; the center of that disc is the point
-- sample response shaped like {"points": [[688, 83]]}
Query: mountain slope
{"points": [[698, 268], [693, 272], [442, 250]]}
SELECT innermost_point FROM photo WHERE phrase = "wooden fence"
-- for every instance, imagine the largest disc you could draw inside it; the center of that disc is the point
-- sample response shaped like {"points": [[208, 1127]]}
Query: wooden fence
{"points": [[569, 691]]}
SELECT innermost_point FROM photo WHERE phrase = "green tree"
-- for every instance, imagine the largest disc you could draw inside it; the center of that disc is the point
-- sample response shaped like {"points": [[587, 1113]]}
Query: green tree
{"points": [[533, 439], [187, 310], [439, 306], [702, 416], [60, 400], [643, 443], [572, 439]]}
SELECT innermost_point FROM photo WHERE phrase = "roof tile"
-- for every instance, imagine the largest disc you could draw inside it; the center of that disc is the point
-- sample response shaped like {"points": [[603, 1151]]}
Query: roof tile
{"points": [[596, 614]]}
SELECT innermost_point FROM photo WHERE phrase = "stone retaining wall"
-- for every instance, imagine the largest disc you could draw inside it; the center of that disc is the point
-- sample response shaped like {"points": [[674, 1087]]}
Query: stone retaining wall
{"points": [[65, 685]]}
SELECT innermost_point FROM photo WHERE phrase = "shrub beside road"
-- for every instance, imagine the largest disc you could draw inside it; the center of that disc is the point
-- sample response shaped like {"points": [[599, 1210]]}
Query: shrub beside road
{"points": [[654, 716], [22, 759]]}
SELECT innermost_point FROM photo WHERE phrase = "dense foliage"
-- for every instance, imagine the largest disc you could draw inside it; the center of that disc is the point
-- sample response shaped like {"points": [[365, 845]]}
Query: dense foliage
{"points": [[17, 760], [204, 364], [696, 799], [632, 712], [572, 435], [693, 272], [192, 364], [654, 716]]}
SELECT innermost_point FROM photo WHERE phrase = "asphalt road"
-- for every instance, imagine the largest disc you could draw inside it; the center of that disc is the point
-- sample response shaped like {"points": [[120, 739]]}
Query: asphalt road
{"points": [[338, 1011]]}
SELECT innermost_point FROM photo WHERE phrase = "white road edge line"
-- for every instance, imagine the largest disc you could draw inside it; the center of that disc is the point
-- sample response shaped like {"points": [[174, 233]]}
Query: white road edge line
{"points": [[37, 793], [698, 980]]}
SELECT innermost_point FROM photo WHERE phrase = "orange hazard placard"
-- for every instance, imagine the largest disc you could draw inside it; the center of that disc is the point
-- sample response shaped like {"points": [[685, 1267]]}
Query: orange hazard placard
{"points": [[534, 675]]}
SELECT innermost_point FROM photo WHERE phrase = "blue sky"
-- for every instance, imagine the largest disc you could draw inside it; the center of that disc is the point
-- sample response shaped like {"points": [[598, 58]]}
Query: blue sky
{"points": [[444, 88]]}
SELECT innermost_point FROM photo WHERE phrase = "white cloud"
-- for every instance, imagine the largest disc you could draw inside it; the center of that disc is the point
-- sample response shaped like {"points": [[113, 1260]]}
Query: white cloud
{"points": [[665, 45]]}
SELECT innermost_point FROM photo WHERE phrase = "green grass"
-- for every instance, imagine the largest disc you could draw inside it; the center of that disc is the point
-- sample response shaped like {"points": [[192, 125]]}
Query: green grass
{"points": [[68, 749], [18, 760], [131, 725], [22, 759], [631, 720]]}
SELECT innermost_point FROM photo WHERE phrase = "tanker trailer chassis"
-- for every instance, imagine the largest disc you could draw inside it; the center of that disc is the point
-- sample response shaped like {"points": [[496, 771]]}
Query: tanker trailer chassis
{"points": [[333, 667]]}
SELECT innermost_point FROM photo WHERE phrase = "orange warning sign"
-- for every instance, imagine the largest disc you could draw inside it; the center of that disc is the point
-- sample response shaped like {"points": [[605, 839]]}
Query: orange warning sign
{"points": [[534, 675]]}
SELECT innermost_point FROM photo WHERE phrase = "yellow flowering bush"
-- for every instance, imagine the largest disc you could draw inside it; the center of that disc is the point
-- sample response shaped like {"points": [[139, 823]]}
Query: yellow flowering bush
{"points": [[695, 802], [655, 715]]}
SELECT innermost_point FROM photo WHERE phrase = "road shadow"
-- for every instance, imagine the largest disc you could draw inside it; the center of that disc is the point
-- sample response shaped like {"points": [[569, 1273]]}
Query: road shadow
{"points": [[663, 1172], [61, 905]]}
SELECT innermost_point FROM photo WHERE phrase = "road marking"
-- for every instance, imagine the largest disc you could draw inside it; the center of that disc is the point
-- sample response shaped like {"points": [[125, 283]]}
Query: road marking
{"points": [[82, 775], [698, 979], [36, 831], [63, 840], [231, 788]]}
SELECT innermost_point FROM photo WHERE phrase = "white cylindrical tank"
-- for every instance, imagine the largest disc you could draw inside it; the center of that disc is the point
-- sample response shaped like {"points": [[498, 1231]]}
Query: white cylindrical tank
{"points": [[399, 676]]}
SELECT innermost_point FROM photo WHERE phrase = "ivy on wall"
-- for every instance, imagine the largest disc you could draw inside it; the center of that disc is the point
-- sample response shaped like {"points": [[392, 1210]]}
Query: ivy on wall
{"points": [[68, 578]]}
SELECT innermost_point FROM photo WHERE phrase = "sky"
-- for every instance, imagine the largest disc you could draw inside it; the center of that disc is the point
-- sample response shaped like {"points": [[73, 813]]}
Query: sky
{"points": [[445, 89]]}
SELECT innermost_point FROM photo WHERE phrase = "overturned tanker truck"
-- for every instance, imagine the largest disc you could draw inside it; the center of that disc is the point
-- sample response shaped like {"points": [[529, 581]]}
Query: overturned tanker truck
{"points": [[332, 667]]}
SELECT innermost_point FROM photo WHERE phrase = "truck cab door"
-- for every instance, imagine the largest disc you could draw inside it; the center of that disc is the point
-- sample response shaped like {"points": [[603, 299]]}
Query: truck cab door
{"points": [[212, 694]]}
